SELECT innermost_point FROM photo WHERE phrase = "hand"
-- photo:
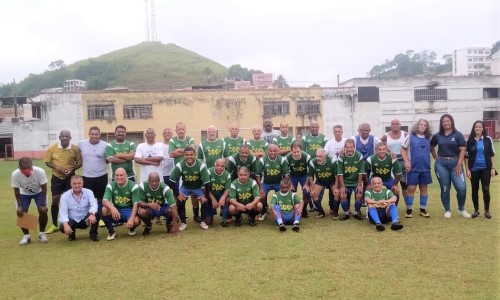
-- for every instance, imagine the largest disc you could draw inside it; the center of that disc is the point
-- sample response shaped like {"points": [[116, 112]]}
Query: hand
{"points": [[249, 206], [20, 212], [130, 223], [92, 219], [468, 174], [408, 167], [115, 214], [67, 229], [181, 197], [458, 170], [202, 199], [215, 204], [154, 206], [241, 207], [493, 173]]}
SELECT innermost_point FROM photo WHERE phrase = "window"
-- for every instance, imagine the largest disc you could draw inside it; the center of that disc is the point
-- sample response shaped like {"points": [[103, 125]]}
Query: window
{"points": [[308, 107], [470, 51], [481, 51], [144, 111], [486, 52], [430, 94], [276, 108], [100, 112], [368, 94], [470, 59]]}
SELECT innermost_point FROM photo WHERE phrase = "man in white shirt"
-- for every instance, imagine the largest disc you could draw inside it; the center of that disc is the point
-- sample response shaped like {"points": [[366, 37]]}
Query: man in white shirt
{"points": [[335, 147], [149, 156]]}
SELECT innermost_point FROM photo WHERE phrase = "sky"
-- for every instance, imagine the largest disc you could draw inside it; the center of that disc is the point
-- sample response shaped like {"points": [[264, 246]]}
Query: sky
{"points": [[306, 41]]}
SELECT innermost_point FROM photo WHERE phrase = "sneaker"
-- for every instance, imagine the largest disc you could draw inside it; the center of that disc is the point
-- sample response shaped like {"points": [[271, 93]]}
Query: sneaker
{"points": [[335, 216], [424, 213], [464, 213], [475, 214], [313, 209], [204, 225], [345, 216], [72, 237], [282, 227], [111, 236], [117, 224], [224, 223], [52, 228], [132, 232], [447, 214], [320, 215], [296, 227], [487, 215], [380, 227], [330, 212], [25, 240], [357, 216], [396, 226], [197, 219], [147, 231], [305, 215], [237, 222], [101, 223], [94, 237], [409, 213], [42, 237], [262, 216], [183, 226], [251, 221]]}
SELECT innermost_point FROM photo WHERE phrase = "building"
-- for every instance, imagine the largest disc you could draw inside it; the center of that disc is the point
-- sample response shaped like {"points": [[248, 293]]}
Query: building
{"points": [[75, 85], [472, 61], [495, 62], [262, 80]]}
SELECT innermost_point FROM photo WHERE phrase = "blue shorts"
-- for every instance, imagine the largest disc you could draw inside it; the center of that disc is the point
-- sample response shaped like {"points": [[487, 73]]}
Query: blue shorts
{"points": [[159, 213], [350, 190], [326, 185], [267, 187], [389, 183], [296, 180], [26, 201], [416, 178], [197, 192], [125, 214]]}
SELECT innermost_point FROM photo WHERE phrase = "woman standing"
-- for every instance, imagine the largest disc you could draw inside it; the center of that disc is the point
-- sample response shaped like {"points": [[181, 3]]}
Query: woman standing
{"points": [[448, 167], [480, 166]]}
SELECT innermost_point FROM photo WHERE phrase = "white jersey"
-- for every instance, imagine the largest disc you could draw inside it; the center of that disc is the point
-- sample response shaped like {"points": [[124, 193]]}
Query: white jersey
{"points": [[395, 144], [144, 150], [333, 147], [167, 162], [29, 185]]}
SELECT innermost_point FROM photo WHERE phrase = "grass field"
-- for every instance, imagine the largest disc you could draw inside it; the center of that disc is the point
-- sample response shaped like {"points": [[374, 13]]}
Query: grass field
{"points": [[430, 258]]}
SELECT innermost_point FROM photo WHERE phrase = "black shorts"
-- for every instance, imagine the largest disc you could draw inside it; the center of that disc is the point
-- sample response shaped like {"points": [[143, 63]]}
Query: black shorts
{"points": [[96, 185], [59, 186]]}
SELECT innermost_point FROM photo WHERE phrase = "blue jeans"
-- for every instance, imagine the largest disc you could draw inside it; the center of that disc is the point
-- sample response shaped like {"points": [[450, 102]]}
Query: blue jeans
{"points": [[446, 176]]}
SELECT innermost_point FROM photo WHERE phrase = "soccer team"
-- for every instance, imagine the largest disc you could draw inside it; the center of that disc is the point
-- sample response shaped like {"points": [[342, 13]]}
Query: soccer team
{"points": [[236, 177]]}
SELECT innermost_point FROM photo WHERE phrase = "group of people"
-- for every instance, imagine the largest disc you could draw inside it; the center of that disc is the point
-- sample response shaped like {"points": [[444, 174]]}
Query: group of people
{"points": [[236, 176]]}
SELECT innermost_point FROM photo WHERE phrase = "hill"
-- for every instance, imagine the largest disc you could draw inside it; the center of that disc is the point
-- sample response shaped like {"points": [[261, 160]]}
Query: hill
{"points": [[146, 66]]}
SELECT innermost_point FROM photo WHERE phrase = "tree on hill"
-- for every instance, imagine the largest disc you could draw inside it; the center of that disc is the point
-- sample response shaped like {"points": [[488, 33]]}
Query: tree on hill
{"points": [[315, 85], [239, 73], [281, 82], [495, 47]]}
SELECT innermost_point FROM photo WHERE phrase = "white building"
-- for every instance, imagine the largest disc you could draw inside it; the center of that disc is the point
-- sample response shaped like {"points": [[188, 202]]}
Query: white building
{"points": [[472, 61], [75, 85], [495, 63]]}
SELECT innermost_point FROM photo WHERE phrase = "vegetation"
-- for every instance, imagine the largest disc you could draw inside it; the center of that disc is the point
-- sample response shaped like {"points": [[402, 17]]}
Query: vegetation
{"points": [[430, 258], [281, 82]]}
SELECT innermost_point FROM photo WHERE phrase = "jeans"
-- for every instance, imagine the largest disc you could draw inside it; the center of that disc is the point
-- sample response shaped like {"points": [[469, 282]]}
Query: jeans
{"points": [[446, 176]]}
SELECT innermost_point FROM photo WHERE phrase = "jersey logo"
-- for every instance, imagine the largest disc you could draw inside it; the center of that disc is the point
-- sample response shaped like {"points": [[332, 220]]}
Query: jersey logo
{"points": [[272, 172], [382, 171], [122, 200], [213, 152], [351, 169], [244, 196], [191, 178], [323, 175]]}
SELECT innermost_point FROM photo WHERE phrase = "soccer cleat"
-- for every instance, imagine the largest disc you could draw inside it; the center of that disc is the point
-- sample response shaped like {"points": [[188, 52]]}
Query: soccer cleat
{"points": [[475, 214], [380, 227], [396, 226], [52, 228], [237, 222], [464, 213], [345, 216], [305, 215], [487, 215], [447, 214], [224, 223], [204, 225], [409, 213], [101, 223], [197, 219], [111, 236], [424, 213], [147, 231], [357, 216], [335, 215], [313, 209], [296, 227], [282, 227], [42, 237], [25, 240], [262, 216], [183, 226], [72, 236], [132, 232], [94, 237], [320, 215]]}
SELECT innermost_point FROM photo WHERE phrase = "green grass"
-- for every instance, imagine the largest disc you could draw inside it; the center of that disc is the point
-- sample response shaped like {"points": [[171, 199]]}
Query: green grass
{"points": [[429, 258]]}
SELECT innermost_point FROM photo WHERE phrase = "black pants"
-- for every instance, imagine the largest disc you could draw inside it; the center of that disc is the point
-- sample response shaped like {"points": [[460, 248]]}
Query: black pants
{"points": [[484, 176], [80, 225]]}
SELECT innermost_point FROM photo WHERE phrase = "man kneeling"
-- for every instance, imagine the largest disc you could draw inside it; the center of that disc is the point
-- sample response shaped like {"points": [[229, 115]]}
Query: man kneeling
{"points": [[244, 195], [287, 207], [382, 206]]}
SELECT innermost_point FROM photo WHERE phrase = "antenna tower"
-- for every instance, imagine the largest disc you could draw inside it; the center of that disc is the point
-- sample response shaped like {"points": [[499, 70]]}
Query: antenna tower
{"points": [[150, 21]]}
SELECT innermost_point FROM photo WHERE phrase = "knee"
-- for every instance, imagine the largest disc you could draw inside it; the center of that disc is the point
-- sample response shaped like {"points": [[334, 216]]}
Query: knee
{"points": [[258, 207]]}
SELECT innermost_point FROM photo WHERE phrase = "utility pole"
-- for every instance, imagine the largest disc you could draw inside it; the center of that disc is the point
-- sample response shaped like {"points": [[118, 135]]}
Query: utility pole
{"points": [[15, 98]]}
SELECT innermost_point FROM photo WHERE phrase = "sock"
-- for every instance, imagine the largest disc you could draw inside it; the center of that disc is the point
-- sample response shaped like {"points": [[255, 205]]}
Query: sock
{"points": [[409, 201], [108, 221], [336, 205], [225, 212], [318, 206], [147, 221], [372, 211], [423, 201], [196, 211], [357, 206], [279, 219], [393, 210], [345, 205], [297, 217], [54, 210]]}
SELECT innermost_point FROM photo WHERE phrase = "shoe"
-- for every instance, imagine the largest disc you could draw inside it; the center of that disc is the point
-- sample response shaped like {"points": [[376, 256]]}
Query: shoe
{"points": [[380, 227], [475, 214], [237, 222], [101, 223], [330, 212], [42, 237], [147, 231], [132, 232], [197, 219], [296, 227], [335, 216], [262, 216], [320, 215], [357, 216], [409, 213], [424, 213], [117, 224], [363, 204], [204, 225], [94, 237], [396, 226], [52, 228], [282, 227], [464, 213], [25, 240], [183, 226], [111, 236], [251, 221], [229, 220], [447, 214], [313, 209], [224, 223], [345, 216], [72, 237], [305, 215], [487, 215]]}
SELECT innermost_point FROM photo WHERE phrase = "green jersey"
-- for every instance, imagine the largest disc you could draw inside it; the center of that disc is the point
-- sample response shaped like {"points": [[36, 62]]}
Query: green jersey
{"points": [[121, 148], [272, 171], [162, 195], [122, 196], [384, 194], [385, 169], [257, 146], [234, 163], [311, 144], [233, 145], [193, 177], [209, 152], [286, 202], [220, 182], [350, 167], [324, 173], [298, 167], [176, 143], [244, 193], [284, 143]]}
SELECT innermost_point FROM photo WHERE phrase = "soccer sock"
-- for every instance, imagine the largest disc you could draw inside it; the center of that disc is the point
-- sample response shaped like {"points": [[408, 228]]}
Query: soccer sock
{"points": [[372, 211], [225, 212], [147, 221], [393, 210], [336, 205], [54, 210], [357, 205], [181, 209], [318, 206], [423, 201], [297, 217], [108, 221], [196, 211], [279, 219], [409, 202], [345, 205]]}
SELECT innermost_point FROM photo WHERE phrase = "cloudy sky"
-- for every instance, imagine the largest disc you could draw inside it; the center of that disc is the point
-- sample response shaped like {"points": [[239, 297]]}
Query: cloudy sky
{"points": [[306, 41]]}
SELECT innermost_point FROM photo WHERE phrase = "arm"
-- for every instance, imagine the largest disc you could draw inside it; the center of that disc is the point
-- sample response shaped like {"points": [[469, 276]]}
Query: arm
{"points": [[404, 155], [17, 194], [461, 155]]}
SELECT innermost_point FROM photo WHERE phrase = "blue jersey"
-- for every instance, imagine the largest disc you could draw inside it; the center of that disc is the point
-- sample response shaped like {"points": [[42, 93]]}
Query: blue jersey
{"points": [[420, 148], [365, 150], [448, 144]]}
